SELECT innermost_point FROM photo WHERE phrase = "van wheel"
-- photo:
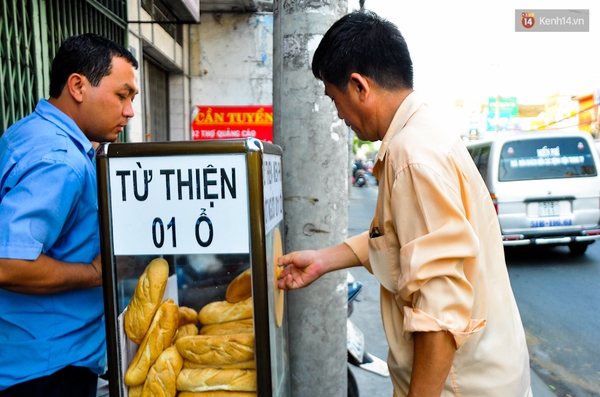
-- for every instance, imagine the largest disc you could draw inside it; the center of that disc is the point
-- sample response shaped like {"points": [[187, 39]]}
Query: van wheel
{"points": [[578, 248]]}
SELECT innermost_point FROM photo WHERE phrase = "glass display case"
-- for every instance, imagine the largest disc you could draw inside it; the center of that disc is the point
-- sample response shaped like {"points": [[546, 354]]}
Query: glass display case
{"points": [[210, 212]]}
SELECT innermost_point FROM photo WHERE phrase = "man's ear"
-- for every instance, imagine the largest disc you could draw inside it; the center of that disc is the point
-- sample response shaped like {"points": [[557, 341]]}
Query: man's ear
{"points": [[76, 86], [360, 84]]}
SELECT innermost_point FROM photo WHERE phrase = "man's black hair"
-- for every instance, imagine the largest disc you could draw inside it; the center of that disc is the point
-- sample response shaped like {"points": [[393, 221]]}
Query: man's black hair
{"points": [[87, 54], [367, 44]]}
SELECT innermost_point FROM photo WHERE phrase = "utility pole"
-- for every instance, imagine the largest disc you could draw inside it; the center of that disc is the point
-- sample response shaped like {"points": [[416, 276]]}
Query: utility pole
{"points": [[315, 188]]}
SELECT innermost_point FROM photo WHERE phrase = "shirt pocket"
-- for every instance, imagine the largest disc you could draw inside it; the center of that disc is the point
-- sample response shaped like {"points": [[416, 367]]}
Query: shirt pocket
{"points": [[379, 256]]}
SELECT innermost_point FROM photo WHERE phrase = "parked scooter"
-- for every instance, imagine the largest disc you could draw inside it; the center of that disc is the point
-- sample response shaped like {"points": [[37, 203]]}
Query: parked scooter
{"points": [[357, 355]]}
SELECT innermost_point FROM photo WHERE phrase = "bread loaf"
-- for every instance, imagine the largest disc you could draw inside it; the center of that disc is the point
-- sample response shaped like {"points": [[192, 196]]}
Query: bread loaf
{"points": [[223, 311], [136, 391], [187, 315], [145, 301], [158, 338], [240, 288], [185, 330], [216, 379], [228, 328], [162, 377], [216, 393], [241, 365], [217, 349]]}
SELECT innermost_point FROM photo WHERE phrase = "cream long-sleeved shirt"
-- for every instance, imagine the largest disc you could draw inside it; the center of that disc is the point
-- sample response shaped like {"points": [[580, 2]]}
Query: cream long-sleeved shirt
{"points": [[436, 249]]}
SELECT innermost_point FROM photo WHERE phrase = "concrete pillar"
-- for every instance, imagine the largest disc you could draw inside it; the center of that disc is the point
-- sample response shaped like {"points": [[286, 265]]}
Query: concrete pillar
{"points": [[315, 161]]}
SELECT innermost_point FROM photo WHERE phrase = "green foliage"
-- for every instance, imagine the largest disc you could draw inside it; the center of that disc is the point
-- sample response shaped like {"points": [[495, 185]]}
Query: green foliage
{"points": [[365, 148]]}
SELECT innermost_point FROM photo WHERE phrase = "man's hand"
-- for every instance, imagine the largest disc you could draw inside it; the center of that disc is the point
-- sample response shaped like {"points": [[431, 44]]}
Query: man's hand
{"points": [[301, 268]]}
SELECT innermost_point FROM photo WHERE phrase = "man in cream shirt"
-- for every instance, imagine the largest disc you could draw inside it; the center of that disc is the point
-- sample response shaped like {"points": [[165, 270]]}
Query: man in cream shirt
{"points": [[448, 311]]}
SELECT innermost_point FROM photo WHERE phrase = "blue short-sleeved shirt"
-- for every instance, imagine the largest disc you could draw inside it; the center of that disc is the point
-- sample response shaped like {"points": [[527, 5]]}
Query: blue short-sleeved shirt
{"points": [[48, 204]]}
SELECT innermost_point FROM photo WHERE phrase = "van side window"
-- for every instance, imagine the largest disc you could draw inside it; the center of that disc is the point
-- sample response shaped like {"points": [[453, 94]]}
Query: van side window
{"points": [[474, 151], [482, 164], [480, 156]]}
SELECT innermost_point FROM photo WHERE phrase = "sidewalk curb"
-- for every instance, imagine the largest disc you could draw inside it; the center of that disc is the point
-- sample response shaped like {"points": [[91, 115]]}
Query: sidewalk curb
{"points": [[539, 387]]}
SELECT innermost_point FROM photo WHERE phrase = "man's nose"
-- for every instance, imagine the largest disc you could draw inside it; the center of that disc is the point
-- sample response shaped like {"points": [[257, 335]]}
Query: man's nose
{"points": [[128, 110]]}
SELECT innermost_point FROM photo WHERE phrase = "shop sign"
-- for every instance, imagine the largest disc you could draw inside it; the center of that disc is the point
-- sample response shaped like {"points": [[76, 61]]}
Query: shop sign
{"points": [[233, 122], [507, 108]]}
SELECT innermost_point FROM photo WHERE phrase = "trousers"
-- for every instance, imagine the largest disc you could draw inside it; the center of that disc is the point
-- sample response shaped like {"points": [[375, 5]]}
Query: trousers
{"points": [[70, 381]]}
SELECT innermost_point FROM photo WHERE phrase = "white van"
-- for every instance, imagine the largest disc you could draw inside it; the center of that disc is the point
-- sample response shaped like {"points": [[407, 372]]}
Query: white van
{"points": [[545, 186]]}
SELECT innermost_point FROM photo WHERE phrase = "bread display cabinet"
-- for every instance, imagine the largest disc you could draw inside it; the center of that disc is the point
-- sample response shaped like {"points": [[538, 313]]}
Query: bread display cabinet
{"points": [[190, 236]]}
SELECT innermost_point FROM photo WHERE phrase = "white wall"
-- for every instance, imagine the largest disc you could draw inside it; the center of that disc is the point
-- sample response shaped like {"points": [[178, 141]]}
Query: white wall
{"points": [[227, 59], [179, 105], [232, 60]]}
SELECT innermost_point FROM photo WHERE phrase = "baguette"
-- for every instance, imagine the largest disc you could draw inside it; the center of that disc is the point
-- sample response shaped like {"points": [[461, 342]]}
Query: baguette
{"points": [[217, 349], [216, 379], [251, 364], [159, 337], [187, 315], [162, 377], [185, 330], [145, 301], [230, 327], [216, 393], [136, 391], [240, 288], [223, 311]]}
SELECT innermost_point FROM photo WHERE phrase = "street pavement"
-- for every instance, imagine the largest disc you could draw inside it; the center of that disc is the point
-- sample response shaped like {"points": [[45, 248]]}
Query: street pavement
{"points": [[366, 313]]}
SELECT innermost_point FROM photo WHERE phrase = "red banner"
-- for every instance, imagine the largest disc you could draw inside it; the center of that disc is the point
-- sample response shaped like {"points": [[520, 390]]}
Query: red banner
{"points": [[233, 122]]}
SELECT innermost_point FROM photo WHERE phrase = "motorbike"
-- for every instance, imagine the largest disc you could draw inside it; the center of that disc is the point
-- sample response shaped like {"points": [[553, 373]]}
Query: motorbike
{"points": [[357, 355], [360, 179]]}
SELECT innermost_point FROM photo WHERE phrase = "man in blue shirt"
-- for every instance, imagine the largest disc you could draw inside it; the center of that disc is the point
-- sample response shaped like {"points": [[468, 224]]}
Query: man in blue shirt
{"points": [[52, 333]]}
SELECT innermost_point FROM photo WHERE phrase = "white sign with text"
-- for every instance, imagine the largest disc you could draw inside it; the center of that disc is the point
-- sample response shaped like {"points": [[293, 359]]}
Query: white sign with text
{"points": [[189, 204], [272, 191]]}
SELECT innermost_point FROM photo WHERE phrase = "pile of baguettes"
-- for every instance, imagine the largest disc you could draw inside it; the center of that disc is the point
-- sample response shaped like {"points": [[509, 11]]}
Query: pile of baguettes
{"points": [[174, 357]]}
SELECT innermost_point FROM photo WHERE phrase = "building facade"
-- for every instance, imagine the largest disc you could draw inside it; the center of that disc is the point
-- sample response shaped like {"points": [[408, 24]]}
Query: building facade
{"points": [[218, 55]]}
